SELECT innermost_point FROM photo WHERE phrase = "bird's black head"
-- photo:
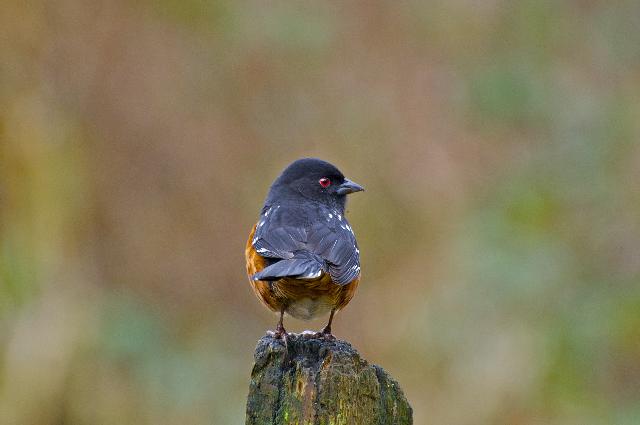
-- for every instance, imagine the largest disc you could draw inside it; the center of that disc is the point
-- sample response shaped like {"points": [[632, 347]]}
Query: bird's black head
{"points": [[312, 179]]}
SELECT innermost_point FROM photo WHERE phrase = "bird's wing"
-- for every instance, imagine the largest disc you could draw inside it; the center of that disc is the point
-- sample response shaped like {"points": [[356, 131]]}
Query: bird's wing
{"points": [[306, 246]]}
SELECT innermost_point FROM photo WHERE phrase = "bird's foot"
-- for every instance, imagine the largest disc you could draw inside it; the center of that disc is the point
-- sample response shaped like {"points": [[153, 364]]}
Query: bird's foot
{"points": [[325, 334], [280, 332]]}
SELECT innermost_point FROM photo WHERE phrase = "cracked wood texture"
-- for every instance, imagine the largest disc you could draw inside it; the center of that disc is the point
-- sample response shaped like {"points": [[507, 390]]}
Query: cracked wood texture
{"points": [[320, 382]]}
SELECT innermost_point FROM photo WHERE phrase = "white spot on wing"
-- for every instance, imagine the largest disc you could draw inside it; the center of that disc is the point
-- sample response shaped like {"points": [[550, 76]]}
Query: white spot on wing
{"points": [[312, 275]]}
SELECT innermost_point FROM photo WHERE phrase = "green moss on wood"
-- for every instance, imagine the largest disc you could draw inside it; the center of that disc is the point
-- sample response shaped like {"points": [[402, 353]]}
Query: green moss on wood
{"points": [[321, 382]]}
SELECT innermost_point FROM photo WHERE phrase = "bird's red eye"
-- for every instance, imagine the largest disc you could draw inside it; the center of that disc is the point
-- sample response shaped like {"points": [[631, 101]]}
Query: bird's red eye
{"points": [[324, 182]]}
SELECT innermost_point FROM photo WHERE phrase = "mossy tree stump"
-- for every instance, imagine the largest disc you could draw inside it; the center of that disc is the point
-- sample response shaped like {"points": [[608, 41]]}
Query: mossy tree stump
{"points": [[320, 382]]}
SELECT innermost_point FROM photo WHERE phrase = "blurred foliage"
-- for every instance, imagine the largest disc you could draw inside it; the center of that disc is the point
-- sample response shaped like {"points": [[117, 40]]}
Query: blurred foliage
{"points": [[498, 142]]}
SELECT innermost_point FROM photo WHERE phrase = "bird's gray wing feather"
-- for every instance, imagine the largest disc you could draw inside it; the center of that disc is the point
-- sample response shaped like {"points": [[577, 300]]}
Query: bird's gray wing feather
{"points": [[305, 251]]}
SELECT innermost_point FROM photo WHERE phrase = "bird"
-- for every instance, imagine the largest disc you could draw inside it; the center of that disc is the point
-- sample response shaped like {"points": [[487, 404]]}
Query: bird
{"points": [[302, 256]]}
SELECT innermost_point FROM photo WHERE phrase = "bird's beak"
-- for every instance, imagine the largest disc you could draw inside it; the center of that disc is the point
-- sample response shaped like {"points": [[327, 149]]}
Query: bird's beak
{"points": [[349, 187]]}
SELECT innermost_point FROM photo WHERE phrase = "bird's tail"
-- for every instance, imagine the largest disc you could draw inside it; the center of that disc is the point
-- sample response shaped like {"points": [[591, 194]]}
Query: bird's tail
{"points": [[299, 268]]}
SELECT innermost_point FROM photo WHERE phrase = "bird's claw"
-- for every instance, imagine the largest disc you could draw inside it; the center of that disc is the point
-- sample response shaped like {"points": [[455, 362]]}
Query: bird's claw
{"points": [[280, 333], [325, 334]]}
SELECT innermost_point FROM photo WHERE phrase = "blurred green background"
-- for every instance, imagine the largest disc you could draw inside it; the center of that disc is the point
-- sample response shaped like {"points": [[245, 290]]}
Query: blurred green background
{"points": [[500, 229]]}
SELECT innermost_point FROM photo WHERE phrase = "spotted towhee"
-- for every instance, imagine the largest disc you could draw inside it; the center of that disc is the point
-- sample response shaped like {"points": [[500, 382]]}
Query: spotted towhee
{"points": [[302, 255]]}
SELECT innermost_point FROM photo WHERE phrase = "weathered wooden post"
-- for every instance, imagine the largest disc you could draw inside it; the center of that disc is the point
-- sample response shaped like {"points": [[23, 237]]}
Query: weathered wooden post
{"points": [[317, 381]]}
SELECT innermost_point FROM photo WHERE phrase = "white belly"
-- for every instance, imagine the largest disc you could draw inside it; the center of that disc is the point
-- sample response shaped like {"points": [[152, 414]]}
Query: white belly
{"points": [[308, 308]]}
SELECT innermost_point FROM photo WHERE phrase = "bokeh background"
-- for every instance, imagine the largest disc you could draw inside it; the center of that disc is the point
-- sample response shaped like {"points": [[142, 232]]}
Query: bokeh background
{"points": [[500, 229]]}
